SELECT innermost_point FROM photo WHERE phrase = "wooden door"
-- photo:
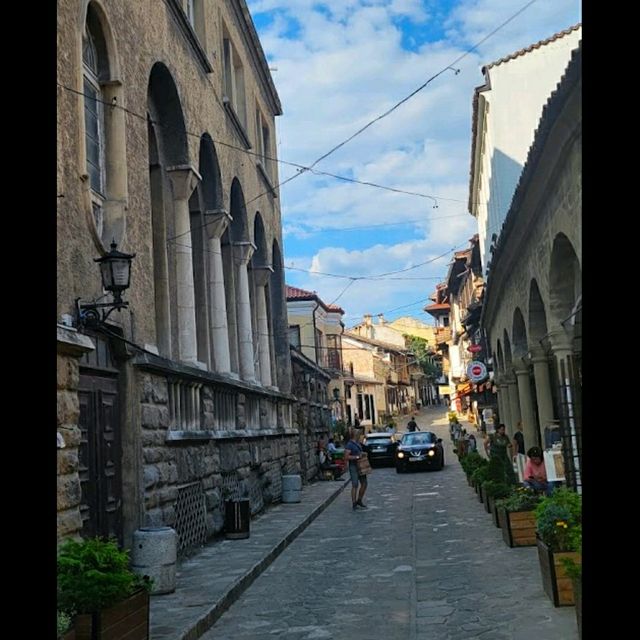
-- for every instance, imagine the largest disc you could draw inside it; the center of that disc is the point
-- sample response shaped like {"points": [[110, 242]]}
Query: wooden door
{"points": [[100, 456]]}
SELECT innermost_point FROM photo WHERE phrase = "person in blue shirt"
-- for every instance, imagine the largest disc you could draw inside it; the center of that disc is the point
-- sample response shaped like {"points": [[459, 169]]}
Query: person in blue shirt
{"points": [[352, 453]]}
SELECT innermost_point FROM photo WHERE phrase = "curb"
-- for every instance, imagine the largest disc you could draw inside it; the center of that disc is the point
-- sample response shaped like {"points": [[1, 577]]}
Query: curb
{"points": [[202, 625]]}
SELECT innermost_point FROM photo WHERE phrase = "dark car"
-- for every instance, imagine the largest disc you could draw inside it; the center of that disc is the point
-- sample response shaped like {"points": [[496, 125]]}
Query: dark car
{"points": [[419, 450], [380, 447]]}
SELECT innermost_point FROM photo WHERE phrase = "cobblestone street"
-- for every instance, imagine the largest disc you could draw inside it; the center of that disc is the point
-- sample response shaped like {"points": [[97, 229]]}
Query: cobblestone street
{"points": [[423, 562]]}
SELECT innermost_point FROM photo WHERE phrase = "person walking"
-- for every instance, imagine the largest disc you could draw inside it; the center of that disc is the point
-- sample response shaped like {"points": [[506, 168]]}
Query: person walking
{"points": [[498, 445], [412, 425], [518, 438], [353, 453]]}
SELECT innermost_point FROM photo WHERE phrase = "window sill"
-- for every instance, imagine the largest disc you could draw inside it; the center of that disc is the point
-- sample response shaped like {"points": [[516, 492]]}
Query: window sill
{"points": [[206, 435], [266, 179], [239, 127], [190, 35]]}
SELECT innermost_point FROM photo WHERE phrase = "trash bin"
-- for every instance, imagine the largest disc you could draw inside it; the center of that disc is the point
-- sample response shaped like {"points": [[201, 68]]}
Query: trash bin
{"points": [[291, 487], [154, 554], [237, 518]]}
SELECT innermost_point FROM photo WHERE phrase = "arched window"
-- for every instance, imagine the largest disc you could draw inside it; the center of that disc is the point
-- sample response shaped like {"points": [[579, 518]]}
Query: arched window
{"points": [[102, 153], [94, 125]]}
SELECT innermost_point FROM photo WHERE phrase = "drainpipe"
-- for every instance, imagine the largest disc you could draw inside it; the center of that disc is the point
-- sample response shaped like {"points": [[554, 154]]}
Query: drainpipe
{"points": [[315, 343]]}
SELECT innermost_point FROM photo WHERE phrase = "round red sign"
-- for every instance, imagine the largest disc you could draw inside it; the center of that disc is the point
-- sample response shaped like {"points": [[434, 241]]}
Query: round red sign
{"points": [[476, 370], [474, 348]]}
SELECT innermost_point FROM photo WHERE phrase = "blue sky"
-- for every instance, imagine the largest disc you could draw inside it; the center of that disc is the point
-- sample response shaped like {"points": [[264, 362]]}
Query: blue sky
{"points": [[338, 65]]}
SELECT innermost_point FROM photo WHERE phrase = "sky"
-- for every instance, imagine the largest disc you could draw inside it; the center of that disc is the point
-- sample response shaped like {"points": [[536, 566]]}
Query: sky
{"points": [[337, 66]]}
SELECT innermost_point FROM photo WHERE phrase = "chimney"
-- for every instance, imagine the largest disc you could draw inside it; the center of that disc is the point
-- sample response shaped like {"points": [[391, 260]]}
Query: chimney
{"points": [[367, 319], [381, 320]]}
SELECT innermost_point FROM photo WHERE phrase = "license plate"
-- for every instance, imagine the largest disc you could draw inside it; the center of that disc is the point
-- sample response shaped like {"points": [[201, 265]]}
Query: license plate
{"points": [[379, 448], [416, 459]]}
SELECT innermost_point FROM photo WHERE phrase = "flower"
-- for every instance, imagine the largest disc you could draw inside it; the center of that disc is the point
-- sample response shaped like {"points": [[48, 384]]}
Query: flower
{"points": [[559, 521]]}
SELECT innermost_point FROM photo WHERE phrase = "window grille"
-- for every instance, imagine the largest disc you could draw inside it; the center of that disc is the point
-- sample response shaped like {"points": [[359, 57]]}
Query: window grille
{"points": [[184, 405], [191, 513]]}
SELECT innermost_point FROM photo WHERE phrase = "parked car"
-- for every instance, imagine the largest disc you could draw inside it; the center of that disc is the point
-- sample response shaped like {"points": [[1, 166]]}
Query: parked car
{"points": [[419, 450], [380, 447]]}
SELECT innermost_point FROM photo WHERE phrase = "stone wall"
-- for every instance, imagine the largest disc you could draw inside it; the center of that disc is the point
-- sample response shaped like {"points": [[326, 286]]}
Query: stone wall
{"points": [[257, 457], [70, 346]]}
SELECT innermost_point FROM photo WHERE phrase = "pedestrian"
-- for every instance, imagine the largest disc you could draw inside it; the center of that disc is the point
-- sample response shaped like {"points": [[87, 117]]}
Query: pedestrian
{"points": [[356, 421], [412, 425], [353, 453], [535, 473], [471, 443], [331, 447], [498, 445], [518, 438]]}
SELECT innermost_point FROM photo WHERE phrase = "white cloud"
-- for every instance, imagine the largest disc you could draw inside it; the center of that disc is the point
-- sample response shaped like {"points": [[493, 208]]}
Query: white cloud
{"points": [[342, 64]]}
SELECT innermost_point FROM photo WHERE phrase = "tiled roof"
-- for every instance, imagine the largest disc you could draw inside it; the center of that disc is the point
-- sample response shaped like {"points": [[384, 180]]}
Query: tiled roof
{"points": [[376, 343], [295, 293], [531, 47], [438, 306]]}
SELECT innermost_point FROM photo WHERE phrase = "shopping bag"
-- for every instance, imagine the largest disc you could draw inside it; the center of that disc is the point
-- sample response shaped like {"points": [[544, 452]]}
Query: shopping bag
{"points": [[364, 468]]}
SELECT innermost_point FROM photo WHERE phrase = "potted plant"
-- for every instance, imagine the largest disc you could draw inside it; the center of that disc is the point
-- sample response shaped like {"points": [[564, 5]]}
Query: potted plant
{"points": [[65, 626], [492, 490], [478, 476], [558, 537], [95, 581], [470, 463], [516, 517]]}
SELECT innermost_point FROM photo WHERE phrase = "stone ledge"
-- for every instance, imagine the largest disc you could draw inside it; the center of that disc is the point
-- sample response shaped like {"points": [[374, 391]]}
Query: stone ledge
{"points": [[72, 343], [205, 435]]}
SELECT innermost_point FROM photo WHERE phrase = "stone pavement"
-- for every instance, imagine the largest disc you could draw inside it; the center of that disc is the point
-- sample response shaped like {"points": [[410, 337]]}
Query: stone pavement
{"points": [[423, 562], [212, 579]]}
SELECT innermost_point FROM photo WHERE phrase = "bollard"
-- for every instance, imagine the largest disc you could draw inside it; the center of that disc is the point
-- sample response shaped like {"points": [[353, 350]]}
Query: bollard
{"points": [[291, 487], [154, 553]]}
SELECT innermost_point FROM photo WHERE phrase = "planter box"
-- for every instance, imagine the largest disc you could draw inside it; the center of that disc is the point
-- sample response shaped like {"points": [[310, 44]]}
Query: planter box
{"points": [[518, 527], [480, 494], [70, 635], [488, 501], [557, 585], [494, 513], [577, 596], [128, 619]]}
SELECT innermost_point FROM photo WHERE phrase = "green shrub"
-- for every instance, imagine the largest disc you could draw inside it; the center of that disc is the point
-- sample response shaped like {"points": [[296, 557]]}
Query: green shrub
{"points": [[559, 520], [64, 623], [522, 499], [497, 489], [94, 574], [471, 462], [480, 474]]}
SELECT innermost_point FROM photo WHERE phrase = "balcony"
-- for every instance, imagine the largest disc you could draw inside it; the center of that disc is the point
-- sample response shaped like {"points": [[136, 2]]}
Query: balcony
{"points": [[443, 335]]}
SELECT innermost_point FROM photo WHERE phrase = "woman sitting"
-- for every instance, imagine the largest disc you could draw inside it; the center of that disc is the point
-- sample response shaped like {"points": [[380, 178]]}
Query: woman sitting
{"points": [[535, 474]]}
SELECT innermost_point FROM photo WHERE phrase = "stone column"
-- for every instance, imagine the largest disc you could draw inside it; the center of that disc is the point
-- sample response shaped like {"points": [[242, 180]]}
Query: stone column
{"points": [[560, 340], [242, 252], [543, 389], [503, 400], [184, 179], [529, 427], [216, 224], [261, 277], [514, 406]]}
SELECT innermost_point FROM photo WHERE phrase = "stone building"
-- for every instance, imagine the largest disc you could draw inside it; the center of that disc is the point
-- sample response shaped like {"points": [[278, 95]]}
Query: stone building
{"points": [[315, 338], [440, 309], [166, 147], [533, 298]]}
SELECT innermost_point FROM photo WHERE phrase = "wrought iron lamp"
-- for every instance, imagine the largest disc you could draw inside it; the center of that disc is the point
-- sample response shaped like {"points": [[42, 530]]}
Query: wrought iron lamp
{"points": [[115, 270]]}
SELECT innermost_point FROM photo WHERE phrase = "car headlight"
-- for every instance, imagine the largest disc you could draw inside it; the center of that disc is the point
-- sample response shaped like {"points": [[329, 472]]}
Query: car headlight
{"points": [[431, 452], [400, 454]]}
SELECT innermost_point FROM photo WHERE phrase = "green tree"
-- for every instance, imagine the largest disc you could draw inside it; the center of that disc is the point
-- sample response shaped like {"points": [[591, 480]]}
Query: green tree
{"points": [[423, 355]]}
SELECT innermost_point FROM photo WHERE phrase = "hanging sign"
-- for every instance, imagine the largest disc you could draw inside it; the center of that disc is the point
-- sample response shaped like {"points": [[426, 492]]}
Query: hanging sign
{"points": [[474, 348], [476, 371]]}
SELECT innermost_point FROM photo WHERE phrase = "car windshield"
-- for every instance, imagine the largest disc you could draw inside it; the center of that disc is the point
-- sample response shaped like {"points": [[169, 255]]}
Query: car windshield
{"points": [[378, 440], [418, 438]]}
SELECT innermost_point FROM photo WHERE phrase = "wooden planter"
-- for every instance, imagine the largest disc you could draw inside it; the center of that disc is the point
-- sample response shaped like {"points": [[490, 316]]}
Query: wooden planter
{"points": [[480, 494], [557, 585], [70, 635], [488, 502], [518, 527], [494, 513], [128, 619], [577, 596]]}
